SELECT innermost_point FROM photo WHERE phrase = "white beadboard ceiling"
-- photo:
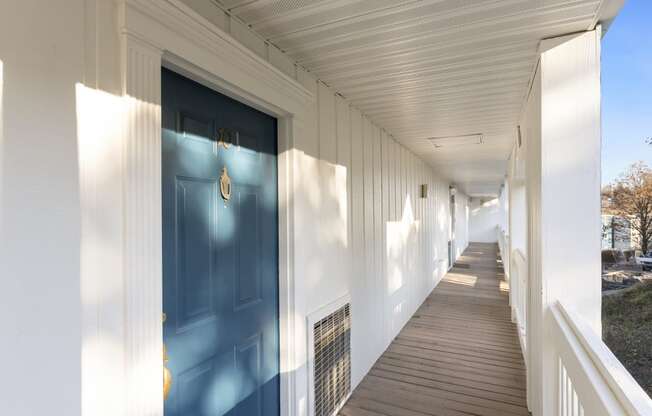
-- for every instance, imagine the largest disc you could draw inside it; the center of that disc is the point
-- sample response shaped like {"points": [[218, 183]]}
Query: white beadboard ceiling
{"points": [[426, 68]]}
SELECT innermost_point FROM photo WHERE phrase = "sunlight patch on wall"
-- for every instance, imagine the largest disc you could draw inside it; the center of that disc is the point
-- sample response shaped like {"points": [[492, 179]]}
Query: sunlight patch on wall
{"points": [[334, 203], [99, 135], [402, 263], [408, 213], [395, 243], [308, 182], [99, 132], [399, 235]]}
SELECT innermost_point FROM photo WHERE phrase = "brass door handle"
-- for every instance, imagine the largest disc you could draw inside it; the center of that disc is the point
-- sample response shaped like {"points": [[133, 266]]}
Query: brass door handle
{"points": [[167, 374]]}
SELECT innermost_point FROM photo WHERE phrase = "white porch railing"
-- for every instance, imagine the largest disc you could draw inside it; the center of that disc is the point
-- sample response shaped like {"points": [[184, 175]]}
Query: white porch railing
{"points": [[503, 246], [518, 295], [590, 379], [515, 267]]}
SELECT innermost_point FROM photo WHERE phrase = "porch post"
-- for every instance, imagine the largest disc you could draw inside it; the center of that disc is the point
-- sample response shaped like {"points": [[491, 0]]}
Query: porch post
{"points": [[563, 194]]}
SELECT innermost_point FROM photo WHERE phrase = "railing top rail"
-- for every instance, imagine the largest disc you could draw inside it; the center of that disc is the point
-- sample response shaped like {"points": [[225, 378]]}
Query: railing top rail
{"points": [[502, 232], [626, 390]]}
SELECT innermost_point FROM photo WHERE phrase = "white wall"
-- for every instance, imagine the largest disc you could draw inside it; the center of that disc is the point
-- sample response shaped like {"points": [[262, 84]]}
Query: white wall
{"points": [[360, 225], [41, 45], [376, 239], [485, 215], [48, 51]]}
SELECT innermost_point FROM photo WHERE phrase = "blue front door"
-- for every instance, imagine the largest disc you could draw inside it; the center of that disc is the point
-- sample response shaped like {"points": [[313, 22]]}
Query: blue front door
{"points": [[220, 253]]}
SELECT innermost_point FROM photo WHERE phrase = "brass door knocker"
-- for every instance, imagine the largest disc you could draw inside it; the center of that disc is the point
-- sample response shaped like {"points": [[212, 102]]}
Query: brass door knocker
{"points": [[225, 184]]}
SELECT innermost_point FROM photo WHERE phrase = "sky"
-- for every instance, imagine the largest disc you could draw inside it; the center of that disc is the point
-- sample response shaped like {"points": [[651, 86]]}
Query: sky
{"points": [[627, 90]]}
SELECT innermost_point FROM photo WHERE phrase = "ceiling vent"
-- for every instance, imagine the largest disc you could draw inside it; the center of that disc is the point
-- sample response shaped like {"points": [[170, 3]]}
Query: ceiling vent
{"points": [[455, 141]]}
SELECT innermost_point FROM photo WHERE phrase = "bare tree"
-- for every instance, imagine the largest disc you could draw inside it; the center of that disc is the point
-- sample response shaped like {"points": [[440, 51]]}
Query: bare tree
{"points": [[630, 197]]}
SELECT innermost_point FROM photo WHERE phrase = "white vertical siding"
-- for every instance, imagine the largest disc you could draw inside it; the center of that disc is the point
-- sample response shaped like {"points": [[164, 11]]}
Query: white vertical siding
{"points": [[385, 191], [40, 219], [368, 234], [394, 241], [357, 277], [378, 241], [326, 124]]}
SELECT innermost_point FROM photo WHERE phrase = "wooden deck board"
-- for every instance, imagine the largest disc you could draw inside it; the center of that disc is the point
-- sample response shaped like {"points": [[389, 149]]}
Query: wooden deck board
{"points": [[458, 355]]}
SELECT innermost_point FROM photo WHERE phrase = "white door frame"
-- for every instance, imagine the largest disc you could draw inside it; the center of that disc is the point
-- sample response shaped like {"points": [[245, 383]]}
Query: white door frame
{"points": [[166, 33]]}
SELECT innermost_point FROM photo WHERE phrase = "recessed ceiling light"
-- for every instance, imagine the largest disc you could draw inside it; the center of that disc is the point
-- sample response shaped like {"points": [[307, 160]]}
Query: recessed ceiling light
{"points": [[450, 141]]}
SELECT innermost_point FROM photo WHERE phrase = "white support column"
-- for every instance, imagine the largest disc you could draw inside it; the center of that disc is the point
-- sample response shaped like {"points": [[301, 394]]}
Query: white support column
{"points": [[563, 199]]}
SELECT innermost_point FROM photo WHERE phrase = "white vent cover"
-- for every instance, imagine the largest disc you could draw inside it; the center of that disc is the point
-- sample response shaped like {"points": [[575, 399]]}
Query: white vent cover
{"points": [[331, 359], [450, 141]]}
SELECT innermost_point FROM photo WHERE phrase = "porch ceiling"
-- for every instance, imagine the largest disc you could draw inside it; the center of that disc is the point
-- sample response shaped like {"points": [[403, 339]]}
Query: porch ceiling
{"points": [[426, 68]]}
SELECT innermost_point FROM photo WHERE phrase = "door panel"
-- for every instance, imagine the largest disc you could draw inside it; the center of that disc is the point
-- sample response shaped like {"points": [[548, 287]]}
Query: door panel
{"points": [[220, 258], [196, 199], [248, 276]]}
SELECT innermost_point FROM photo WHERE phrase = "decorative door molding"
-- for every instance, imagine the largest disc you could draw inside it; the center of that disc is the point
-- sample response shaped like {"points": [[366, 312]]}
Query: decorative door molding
{"points": [[142, 227], [153, 34]]}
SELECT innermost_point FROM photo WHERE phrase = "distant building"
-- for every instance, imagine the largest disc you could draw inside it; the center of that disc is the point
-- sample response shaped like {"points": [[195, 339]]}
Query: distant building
{"points": [[617, 233]]}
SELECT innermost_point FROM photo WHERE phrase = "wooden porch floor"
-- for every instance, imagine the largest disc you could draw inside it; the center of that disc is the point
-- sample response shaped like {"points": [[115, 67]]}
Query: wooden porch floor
{"points": [[458, 355]]}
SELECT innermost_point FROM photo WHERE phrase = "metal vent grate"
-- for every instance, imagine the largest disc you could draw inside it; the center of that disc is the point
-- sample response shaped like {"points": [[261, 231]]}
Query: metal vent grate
{"points": [[332, 336]]}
